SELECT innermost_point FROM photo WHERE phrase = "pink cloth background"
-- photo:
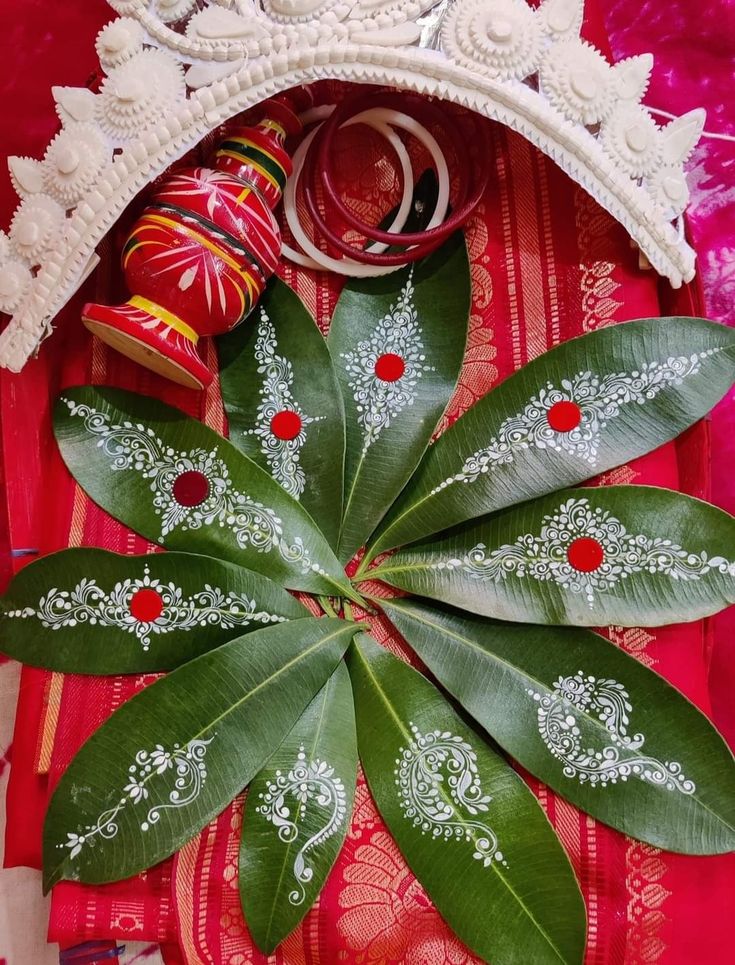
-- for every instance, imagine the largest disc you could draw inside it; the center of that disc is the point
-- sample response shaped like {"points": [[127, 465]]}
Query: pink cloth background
{"points": [[43, 44], [694, 46]]}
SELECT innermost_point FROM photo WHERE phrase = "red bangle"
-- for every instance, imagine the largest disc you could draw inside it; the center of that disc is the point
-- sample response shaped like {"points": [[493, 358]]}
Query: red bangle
{"points": [[426, 113], [338, 243], [401, 258], [357, 254], [425, 242]]}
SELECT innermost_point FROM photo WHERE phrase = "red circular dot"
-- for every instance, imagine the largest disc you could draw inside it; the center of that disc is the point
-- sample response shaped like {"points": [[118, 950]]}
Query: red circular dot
{"points": [[146, 605], [286, 424], [191, 488], [390, 367], [564, 416], [585, 554]]}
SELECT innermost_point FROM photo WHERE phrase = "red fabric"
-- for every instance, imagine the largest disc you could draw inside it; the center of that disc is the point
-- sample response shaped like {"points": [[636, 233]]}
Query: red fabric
{"points": [[547, 265]]}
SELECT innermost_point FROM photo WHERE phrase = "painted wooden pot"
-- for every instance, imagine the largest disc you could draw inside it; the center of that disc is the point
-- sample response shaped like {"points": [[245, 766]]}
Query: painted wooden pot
{"points": [[198, 258]]}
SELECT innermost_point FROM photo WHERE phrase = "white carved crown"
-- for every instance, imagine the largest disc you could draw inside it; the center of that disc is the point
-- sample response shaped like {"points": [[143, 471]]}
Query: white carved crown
{"points": [[177, 69]]}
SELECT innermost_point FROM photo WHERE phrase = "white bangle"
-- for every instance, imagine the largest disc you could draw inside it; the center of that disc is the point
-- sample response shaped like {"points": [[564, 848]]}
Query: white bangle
{"points": [[378, 118]]}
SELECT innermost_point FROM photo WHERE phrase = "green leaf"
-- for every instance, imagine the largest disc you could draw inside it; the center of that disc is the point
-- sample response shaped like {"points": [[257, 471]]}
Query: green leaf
{"points": [[93, 612], [604, 731], [282, 365], [470, 829], [297, 814], [413, 325], [177, 753], [182, 485], [623, 555], [636, 386]]}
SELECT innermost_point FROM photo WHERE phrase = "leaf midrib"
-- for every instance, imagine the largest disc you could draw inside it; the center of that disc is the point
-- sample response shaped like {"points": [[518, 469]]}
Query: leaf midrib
{"points": [[282, 669], [348, 501], [379, 572], [406, 734], [597, 724], [378, 546]]}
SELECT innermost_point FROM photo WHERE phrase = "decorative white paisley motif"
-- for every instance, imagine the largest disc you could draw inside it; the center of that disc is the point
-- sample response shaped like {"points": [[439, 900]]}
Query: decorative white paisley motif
{"points": [[600, 398], [439, 786], [187, 768], [282, 455], [380, 402], [609, 702], [134, 447], [546, 556], [312, 784], [89, 604]]}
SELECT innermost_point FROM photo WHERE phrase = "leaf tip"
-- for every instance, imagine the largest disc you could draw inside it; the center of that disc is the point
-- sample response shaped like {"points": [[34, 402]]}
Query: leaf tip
{"points": [[265, 943], [51, 877]]}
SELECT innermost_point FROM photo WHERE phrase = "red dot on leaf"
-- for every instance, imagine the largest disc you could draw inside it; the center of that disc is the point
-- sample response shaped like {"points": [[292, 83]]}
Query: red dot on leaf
{"points": [[286, 424], [146, 605], [191, 488], [564, 416], [585, 554], [390, 367]]}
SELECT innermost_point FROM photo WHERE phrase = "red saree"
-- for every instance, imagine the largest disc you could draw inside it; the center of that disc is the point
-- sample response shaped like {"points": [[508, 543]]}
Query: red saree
{"points": [[547, 265]]}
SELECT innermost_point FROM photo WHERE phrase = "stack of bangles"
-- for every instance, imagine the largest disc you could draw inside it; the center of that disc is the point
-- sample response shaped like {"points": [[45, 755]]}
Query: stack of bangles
{"points": [[313, 166]]}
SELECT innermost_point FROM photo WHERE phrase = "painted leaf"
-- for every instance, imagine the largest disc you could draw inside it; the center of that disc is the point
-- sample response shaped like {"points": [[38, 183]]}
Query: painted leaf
{"points": [[397, 344], [604, 731], [93, 612], [590, 404], [469, 828], [297, 814], [177, 753], [284, 404], [623, 555], [180, 484]]}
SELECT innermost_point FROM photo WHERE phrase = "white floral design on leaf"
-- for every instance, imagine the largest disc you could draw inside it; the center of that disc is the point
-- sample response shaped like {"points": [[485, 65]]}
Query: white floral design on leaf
{"points": [[276, 396], [190, 775], [312, 784], [136, 791], [440, 792], [597, 399], [161, 759], [75, 843], [609, 702], [585, 550], [398, 336], [88, 604], [136, 448]]}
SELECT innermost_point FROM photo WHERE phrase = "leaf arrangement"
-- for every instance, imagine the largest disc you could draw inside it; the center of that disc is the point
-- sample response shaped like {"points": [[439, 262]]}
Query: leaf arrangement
{"points": [[330, 450]]}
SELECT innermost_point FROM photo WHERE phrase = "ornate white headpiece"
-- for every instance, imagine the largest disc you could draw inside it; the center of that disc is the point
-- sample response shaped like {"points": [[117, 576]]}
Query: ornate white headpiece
{"points": [[176, 69]]}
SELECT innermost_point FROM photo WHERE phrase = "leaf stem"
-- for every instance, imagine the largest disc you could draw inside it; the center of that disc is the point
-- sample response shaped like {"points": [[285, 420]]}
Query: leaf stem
{"points": [[349, 593], [326, 605], [362, 568]]}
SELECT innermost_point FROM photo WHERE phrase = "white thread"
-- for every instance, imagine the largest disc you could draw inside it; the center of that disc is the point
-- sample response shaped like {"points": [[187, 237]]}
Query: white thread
{"points": [[711, 134]]}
